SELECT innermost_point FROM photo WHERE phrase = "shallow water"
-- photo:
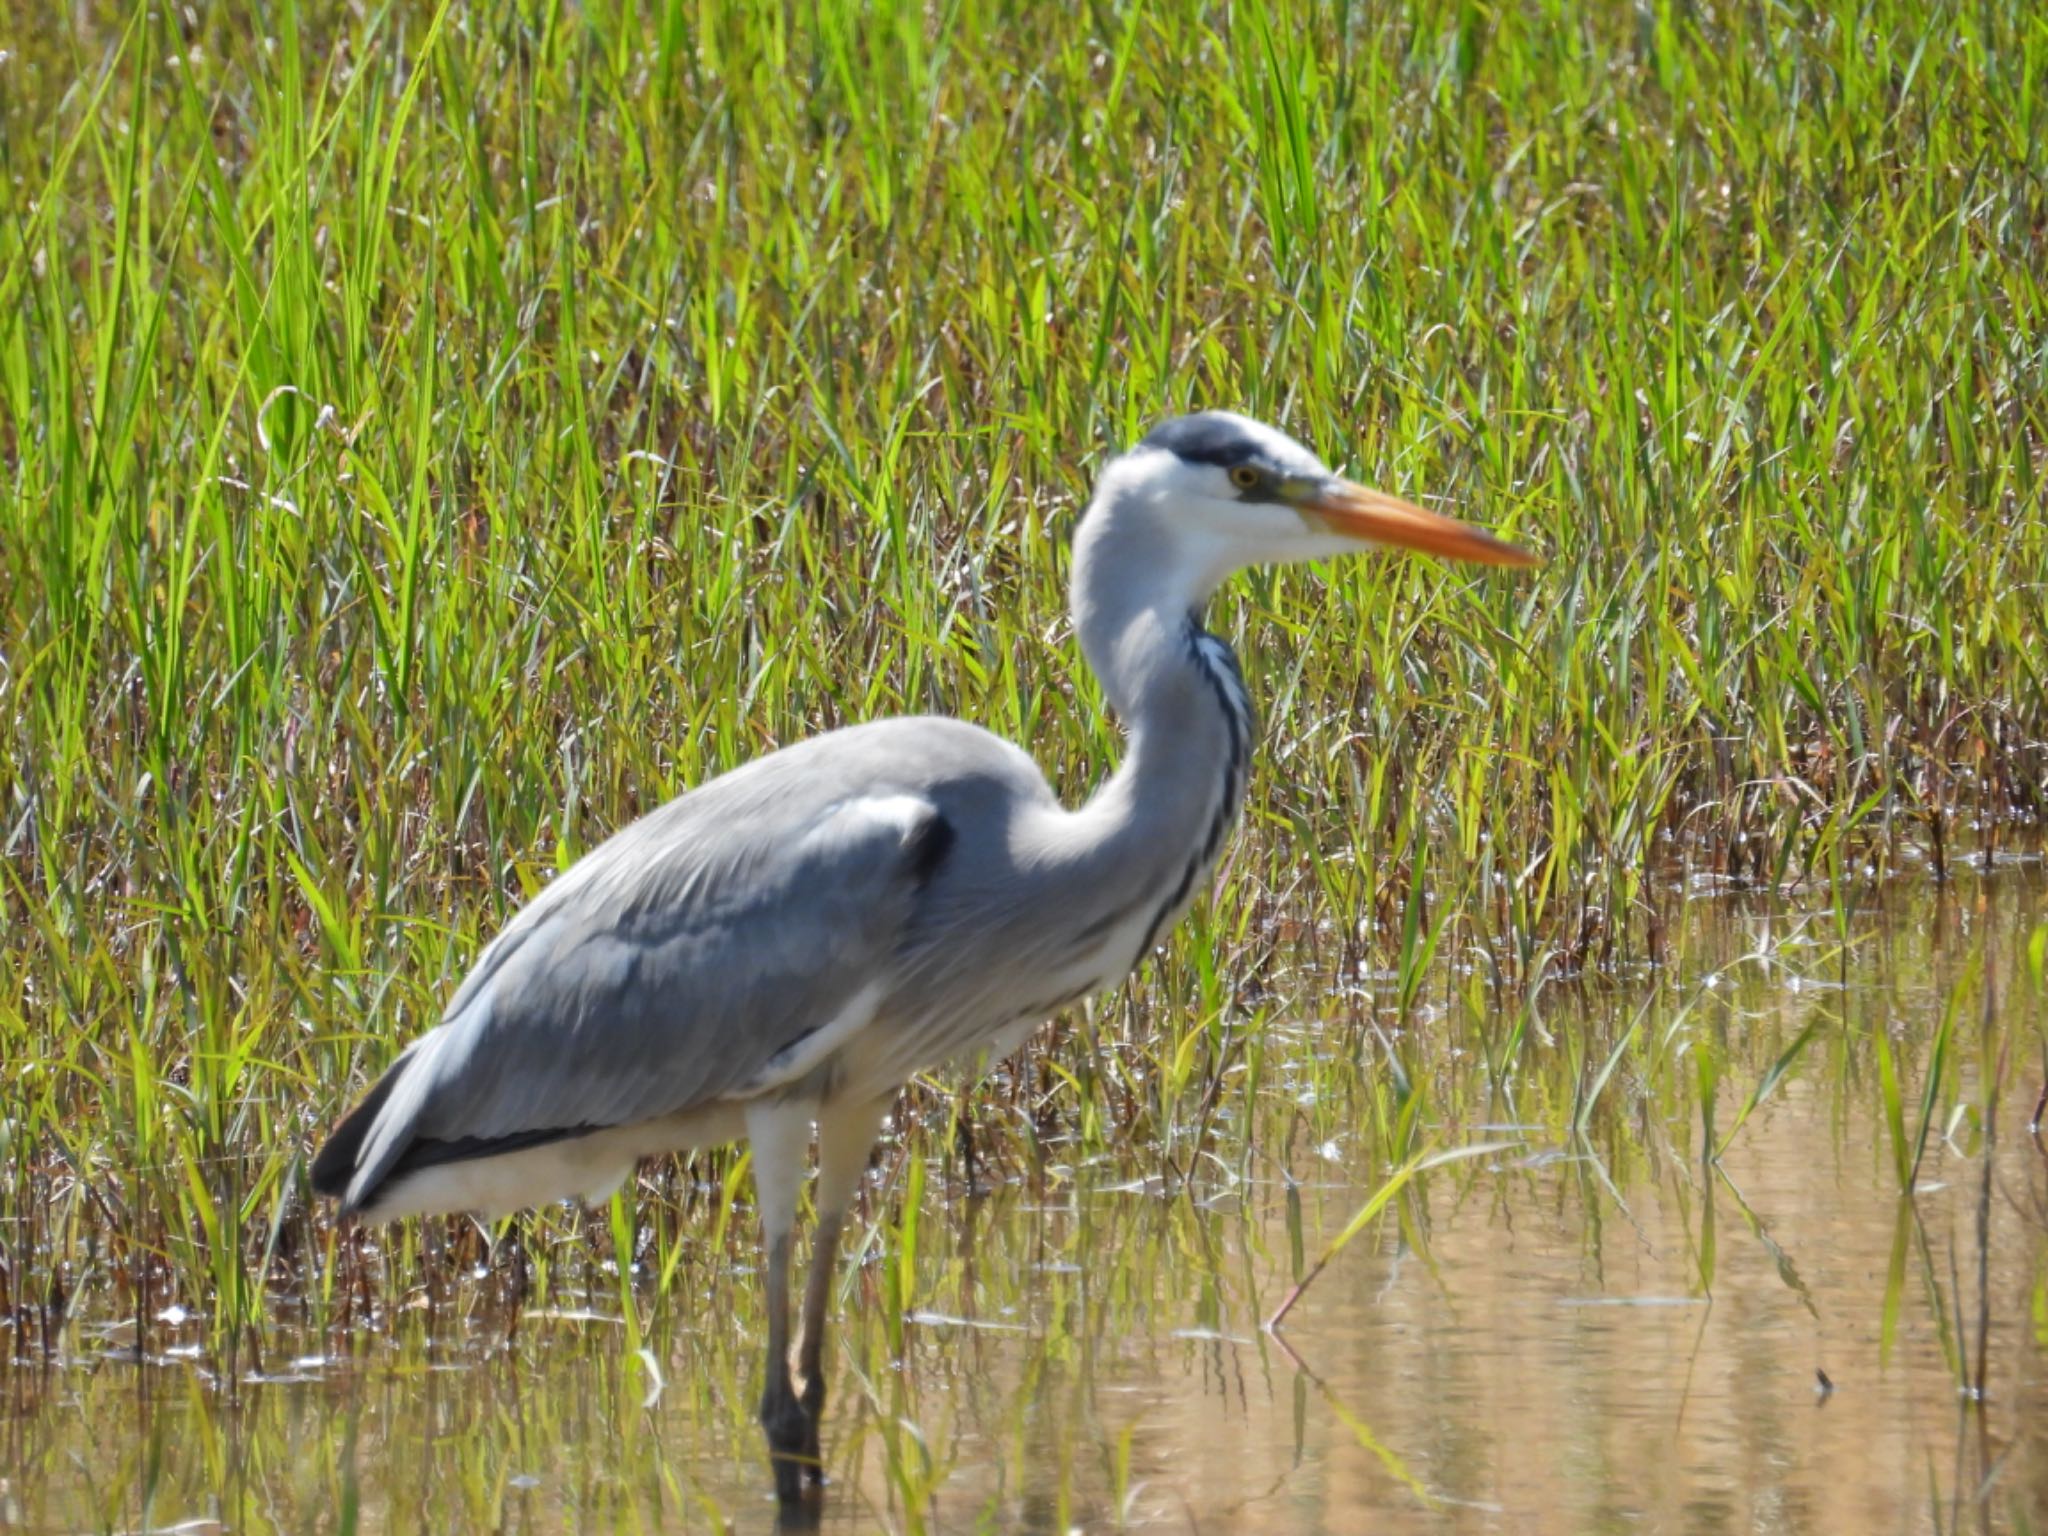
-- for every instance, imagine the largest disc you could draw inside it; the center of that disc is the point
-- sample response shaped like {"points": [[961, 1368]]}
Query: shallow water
{"points": [[1571, 1334]]}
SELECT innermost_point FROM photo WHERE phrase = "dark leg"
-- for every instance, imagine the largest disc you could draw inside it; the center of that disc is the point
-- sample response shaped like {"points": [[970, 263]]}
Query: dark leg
{"points": [[780, 1135], [782, 1415], [811, 1352], [963, 1142], [846, 1134]]}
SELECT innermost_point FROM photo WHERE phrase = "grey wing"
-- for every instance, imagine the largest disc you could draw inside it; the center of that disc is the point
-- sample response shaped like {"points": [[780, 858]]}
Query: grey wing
{"points": [[714, 949]]}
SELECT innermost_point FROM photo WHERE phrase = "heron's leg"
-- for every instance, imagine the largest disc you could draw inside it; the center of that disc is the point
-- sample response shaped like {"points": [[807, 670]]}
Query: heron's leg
{"points": [[963, 1137], [846, 1134], [810, 1365], [780, 1135]]}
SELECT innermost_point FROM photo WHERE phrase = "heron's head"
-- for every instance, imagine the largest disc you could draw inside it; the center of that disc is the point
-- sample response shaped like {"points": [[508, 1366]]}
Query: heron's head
{"points": [[1221, 492]]}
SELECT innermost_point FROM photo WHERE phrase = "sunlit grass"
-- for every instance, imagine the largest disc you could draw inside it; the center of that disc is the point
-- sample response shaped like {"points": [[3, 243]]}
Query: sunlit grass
{"points": [[433, 436]]}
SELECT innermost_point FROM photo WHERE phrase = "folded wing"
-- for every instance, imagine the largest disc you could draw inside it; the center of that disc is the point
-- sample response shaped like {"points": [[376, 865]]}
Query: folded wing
{"points": [[716, 949]]}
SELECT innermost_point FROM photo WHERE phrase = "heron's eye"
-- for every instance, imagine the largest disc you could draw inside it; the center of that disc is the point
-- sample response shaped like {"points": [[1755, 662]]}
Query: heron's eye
{"points": [[1244, 477]]}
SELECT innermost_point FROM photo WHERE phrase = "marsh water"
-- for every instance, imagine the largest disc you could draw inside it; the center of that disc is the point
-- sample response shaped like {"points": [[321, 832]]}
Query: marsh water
{"points": [[1591, 1327]]}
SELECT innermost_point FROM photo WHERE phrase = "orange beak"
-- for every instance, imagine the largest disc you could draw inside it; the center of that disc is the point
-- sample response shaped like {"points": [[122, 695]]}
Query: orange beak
{"points": [[1377, 518]]}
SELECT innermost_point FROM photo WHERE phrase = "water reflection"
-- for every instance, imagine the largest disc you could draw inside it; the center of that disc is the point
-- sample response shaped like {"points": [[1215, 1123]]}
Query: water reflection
{"points": [[1586, 1332]]}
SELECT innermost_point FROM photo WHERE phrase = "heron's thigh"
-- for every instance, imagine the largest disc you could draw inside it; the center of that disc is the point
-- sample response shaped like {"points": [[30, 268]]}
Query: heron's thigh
{"points": [[779, 1131], [846, 1134]]}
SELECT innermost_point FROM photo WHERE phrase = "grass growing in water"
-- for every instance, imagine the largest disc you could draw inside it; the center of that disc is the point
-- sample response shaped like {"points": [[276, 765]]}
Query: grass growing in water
{"points": [[433, 437]]}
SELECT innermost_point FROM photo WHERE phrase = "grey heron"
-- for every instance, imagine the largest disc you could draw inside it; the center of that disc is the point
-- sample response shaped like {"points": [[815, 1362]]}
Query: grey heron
{"points": [[786, 945]]}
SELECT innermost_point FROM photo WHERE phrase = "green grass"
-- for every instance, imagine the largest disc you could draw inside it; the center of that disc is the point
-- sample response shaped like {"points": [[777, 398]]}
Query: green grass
{"points": [[433, 436]]}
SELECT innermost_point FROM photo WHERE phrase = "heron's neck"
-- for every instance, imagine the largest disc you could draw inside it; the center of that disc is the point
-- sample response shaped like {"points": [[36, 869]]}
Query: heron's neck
{"points": [[1178, 692]]}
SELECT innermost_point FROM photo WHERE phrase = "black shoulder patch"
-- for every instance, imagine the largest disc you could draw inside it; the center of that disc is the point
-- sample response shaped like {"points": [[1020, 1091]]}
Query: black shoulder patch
{"points": [[927, 847], [1207, 437]]}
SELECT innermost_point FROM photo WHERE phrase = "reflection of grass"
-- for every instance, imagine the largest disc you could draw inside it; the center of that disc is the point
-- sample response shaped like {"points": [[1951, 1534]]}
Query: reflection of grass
{"points": [[1369, 1212], [433, 437]]}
